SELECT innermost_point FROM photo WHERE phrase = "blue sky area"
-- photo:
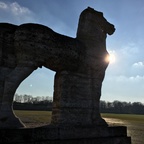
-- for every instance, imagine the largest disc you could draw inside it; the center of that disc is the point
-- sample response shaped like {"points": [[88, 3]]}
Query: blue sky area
{"points": [[124, 79]]}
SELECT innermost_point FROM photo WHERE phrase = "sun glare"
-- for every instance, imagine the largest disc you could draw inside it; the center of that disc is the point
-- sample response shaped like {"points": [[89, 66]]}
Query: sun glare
{"points": [[111, 58]]}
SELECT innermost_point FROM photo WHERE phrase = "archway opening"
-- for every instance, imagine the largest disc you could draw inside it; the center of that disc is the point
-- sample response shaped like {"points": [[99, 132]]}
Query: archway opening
{"points": [[33, 98]]}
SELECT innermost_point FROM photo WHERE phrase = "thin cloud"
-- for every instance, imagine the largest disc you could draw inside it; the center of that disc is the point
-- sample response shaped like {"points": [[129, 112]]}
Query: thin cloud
{"points": [[131, 49], [137, 78], [113, 52], [15, 13], [16, 9], [125, 79], [138, 65], [3, 6]]}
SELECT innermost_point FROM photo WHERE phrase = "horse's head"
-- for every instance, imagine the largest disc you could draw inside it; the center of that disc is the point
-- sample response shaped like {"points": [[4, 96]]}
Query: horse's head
{"points": [[92, 31], [98, 19], [93, 23]]}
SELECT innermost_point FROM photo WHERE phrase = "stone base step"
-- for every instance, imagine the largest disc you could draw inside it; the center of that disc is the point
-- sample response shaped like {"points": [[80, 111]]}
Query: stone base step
{"points": [[66, 135]]}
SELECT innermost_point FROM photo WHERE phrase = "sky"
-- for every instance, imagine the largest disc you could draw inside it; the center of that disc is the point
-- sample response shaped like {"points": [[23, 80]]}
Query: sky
{"points": [[124, 79]]}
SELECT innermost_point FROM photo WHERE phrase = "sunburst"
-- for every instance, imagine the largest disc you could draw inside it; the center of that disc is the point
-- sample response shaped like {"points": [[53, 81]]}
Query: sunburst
{"points": [[111, 58]]}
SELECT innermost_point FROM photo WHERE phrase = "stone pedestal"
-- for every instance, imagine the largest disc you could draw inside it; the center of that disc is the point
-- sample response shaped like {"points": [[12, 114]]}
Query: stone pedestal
{"points": [[65, 135]]}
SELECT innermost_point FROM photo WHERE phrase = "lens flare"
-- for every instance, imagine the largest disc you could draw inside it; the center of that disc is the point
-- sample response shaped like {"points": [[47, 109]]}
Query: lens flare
{"points": [[110, 58]]}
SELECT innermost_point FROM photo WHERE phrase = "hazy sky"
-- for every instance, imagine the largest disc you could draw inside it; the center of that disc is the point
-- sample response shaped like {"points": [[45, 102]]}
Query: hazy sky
{"points": [[124, 79]]}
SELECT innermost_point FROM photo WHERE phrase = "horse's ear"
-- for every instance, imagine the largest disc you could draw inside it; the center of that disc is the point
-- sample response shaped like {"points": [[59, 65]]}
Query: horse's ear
{"points": [[90, 8]]}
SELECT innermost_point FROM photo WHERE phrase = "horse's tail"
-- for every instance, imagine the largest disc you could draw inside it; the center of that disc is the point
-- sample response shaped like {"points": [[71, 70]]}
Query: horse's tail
{"points": [[7, 51]]}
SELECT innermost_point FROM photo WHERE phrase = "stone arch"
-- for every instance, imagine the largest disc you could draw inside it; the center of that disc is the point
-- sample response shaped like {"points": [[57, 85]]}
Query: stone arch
{"points": [[37, 84]]}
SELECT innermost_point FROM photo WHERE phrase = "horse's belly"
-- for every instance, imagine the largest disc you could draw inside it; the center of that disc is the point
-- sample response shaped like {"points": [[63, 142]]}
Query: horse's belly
{"points": [[62, 60]]}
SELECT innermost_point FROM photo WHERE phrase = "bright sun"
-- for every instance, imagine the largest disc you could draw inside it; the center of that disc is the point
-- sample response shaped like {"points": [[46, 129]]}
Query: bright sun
{"points": [[111, 58]]}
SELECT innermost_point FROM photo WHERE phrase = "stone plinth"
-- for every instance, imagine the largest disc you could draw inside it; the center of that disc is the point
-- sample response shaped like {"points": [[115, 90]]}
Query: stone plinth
{"points": [[65, 135]]}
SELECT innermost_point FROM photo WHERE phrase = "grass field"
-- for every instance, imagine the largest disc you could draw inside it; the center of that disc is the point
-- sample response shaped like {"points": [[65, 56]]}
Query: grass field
{"points": [[134, 123], [126, 117], [34, 118]]}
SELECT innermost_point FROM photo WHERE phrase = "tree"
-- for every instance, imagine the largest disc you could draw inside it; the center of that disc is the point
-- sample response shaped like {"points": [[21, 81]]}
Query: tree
{"points": [[18, 98]]}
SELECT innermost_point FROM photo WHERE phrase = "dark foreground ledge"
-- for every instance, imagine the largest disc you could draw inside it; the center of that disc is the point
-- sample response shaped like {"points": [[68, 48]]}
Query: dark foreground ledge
{"points": [[65, 135]]}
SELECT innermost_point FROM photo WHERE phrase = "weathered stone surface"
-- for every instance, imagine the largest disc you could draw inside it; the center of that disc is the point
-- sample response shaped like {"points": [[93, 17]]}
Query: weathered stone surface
{"points": [[77, 94], [7, 50], [28, 46], [60, 135], [38, 45], [76, 100]]}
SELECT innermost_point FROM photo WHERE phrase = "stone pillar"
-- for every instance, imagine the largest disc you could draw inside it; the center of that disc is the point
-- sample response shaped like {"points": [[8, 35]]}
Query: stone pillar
{"points": [[76, 100]]}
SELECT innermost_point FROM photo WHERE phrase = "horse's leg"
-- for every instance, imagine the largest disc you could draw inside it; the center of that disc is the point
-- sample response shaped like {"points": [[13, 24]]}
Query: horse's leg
{"points": [[12, 81], [1, 87]]}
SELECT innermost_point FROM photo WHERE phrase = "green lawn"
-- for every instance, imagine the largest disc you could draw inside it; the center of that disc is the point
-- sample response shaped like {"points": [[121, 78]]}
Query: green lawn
{"points": [[34, 118], [134, 123], [126, 117]]}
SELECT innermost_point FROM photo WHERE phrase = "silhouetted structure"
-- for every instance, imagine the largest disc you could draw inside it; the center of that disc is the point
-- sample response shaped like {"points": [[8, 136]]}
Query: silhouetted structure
{"points": [[80, 69]]}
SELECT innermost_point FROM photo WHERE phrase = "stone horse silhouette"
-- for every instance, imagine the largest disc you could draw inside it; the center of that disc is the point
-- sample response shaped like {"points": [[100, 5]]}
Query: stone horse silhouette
{"points": [[26, 47]]}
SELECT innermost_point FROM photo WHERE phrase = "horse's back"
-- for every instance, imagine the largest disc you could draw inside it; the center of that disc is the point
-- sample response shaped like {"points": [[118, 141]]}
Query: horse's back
{"points": [[31, 42], [42, 46], [7, 27]]}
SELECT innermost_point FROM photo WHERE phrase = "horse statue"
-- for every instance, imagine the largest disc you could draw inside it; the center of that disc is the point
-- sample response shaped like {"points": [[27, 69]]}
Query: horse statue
{"points": [[26, 47]]}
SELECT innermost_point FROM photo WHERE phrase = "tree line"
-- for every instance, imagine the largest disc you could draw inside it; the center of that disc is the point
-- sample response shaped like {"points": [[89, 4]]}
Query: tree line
{"points": [[28, 102], [30, 99], [122, 107]]}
